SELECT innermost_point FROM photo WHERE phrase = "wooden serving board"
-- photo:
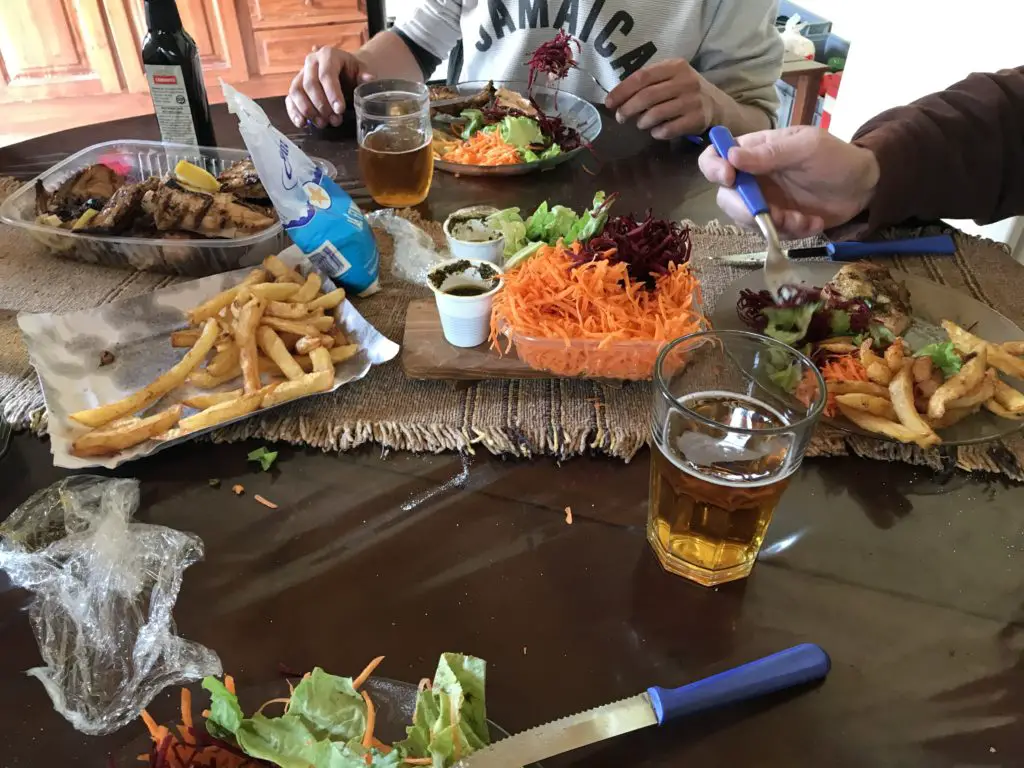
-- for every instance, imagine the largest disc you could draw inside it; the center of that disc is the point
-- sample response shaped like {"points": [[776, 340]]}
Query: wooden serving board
{"points": [[426, 354]]}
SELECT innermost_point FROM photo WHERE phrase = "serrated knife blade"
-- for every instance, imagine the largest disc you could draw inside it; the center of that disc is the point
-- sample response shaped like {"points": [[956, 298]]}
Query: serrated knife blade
{"points": [[798, 665]]}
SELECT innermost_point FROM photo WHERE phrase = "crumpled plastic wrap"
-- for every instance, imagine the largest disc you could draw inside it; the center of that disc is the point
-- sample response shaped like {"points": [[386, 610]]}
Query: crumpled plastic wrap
{"points": [[104, 587], [415, 253]]}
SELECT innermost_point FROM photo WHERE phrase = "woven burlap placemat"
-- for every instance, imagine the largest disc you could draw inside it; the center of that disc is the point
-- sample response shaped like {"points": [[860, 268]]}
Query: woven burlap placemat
{"points": [[558, 417]]}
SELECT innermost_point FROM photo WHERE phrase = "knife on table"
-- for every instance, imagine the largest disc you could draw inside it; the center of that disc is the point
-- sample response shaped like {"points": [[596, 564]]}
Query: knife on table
{"points": [[851, 251], [795, 666]]}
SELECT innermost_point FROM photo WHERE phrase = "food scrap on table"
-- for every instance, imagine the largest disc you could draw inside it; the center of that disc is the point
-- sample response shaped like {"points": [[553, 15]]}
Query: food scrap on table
{"points": [[266, 503], [327, 720], [264, 457], [568, 515], [238, 489]]}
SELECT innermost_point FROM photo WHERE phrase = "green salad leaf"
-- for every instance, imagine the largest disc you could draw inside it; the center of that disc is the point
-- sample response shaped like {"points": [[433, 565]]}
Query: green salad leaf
{"points": [[944, 356], [547, 224], [265, 458], [520, 132], [225, 713], [840, 322], [789, 324], [451, 716], [474, 122], [330, 706]]}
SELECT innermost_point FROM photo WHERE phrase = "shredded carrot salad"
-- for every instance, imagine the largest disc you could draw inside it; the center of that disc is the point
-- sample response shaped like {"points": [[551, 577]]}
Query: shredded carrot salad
{"points": [[483, 148], [592, 318], [841, 368]]}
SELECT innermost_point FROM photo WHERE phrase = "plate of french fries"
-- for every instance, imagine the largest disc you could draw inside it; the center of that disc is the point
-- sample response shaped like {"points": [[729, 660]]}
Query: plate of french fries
{"points": [[954, 376], [126, 379]]}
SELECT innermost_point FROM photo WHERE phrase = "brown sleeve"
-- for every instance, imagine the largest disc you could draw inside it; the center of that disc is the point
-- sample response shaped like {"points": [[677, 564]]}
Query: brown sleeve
{"points": [[956, 154]]}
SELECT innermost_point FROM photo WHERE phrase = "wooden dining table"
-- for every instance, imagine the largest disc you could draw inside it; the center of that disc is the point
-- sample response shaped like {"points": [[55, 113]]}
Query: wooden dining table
{"points": [[911, 579]]}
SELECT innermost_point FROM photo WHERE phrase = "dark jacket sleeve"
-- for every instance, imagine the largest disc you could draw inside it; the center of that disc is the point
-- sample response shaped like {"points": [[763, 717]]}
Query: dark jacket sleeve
{"points": [[956, 154]]}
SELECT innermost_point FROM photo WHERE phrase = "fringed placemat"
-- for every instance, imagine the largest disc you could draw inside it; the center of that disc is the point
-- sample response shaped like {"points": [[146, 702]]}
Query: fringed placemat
{"points": [[559, 417]]}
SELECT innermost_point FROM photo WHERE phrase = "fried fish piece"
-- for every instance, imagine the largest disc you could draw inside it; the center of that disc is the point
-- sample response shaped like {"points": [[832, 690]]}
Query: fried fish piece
{"points": [[888, 299], [242, 181], [218, 215], [124, 209]]}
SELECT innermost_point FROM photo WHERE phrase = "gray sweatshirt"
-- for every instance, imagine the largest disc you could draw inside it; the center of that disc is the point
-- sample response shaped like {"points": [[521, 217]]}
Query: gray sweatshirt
{"points": [[732, 43]]}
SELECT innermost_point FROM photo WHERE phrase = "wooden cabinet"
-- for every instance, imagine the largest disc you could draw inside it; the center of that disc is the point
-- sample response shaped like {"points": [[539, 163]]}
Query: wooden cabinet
{"points": [[65, 63], [282, 51], [55, 48]]}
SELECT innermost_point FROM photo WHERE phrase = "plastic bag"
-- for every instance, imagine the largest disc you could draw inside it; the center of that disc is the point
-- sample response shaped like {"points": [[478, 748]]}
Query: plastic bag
{"points": [[415, 252], [317, 214], [795, 43], [103, 591]]}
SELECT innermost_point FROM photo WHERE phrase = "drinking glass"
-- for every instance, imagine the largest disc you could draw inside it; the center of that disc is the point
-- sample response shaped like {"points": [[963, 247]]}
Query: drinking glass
{"points": [[395, 153], [731, 417]]}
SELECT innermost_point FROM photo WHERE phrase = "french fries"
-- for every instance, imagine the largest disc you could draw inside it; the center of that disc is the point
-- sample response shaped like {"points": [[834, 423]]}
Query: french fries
{"points": [[901, 392], [958, 385], [128, 433], [221, 412], [245, 337], [97, 417], [271, 339], [919, 399], [276, 350], [878, 406]]}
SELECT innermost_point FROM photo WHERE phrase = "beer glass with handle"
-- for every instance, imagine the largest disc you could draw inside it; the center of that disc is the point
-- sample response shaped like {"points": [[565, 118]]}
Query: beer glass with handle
{"points": [[395, 153], [730, 422]]}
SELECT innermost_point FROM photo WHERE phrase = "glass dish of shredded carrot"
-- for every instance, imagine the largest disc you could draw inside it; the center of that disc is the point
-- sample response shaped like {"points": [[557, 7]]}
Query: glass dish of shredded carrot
{"points": [[592, 319]]}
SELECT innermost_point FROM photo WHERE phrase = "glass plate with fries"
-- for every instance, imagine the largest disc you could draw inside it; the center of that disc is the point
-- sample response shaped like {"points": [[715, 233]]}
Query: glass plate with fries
{"points": [[972, 394], [125, 379]]}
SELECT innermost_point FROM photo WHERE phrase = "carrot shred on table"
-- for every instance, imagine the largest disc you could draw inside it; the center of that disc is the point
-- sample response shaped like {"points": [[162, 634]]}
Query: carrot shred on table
{"points": [[419, 761], [568, 515], [265, 502], [592, 318], [186, 707], [483, 148], [371, 720], [840, 368], [363, 676]]}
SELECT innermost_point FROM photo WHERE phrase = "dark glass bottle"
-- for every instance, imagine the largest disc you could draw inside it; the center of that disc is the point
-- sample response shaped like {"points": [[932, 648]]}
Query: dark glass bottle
{"points": [[175, 76]]}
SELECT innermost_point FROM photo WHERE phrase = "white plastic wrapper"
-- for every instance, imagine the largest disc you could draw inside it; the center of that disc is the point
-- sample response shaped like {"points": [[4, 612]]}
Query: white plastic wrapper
{"points": [[415, 253], [103, 589]]}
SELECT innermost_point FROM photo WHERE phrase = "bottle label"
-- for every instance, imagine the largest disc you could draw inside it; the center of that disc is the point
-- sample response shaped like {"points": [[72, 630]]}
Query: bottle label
{"points": [[170, 100]]}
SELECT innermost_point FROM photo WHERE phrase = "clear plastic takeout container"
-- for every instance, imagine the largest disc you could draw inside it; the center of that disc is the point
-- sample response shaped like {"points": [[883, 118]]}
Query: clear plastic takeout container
{"points": [[139, 160], [627, 360]]}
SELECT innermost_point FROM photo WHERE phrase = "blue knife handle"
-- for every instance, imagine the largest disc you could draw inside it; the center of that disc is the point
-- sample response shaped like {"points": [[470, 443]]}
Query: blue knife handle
{"points": [[941, 244], [745, 184], [785, 669]]}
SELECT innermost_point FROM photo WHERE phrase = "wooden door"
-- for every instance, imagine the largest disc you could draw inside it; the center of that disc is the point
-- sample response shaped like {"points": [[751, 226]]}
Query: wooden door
{"points": [[213, 24], [55, 48]]}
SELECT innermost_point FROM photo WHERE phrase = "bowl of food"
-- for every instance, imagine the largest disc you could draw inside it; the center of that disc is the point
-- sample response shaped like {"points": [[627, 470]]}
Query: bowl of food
{"points": [[471, 234], [152, 206], [506, 128]]}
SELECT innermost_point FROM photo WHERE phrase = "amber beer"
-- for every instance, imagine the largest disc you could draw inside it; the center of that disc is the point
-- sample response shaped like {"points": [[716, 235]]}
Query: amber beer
{"points": [[397, 166], [394, 132], [712, 492]]}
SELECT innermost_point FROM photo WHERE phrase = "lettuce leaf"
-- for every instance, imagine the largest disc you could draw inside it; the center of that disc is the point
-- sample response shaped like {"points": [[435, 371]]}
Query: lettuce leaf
{"points": [[474, 122], [225, 712], [944, 356], [789, 324], [458, 688], [512, 226], [520, 132], [288, 742], [329, 706]]}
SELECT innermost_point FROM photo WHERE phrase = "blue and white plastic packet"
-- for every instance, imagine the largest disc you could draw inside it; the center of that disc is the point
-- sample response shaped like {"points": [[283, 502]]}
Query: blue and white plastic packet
{"points": [[317, 214]]}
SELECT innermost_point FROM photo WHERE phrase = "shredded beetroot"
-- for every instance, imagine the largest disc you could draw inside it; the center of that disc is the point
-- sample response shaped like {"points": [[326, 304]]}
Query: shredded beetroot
{"points": [[646, 247], [553, 58]]}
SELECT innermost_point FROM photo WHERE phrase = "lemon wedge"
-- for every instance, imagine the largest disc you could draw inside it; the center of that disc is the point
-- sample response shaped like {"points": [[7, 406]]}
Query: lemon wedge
{"points": [[84, 219], [195, 177]]}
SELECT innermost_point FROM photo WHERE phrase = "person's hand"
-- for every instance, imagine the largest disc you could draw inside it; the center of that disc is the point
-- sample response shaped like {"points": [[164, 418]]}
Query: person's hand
{"points": [[667, 98], [316, 93], [811, 179]]}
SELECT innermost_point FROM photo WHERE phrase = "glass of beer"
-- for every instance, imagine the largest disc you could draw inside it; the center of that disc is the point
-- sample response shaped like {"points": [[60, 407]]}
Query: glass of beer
{"points": [[731, 418], [395, 153]]}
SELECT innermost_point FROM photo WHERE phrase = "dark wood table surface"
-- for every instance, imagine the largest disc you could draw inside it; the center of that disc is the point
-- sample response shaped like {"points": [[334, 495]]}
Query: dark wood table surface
{"points": [[911, 580]]}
